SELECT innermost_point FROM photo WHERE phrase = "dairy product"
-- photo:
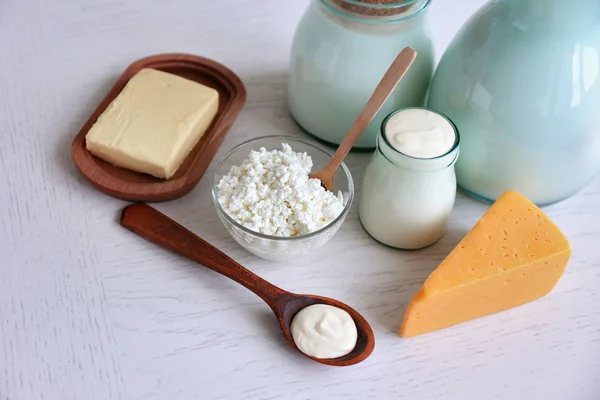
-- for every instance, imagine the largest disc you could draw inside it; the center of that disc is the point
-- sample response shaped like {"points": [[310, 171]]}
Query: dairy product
{"points": [[409, 186], [324, 331], [271, 193], [420, 133], [513, 255], [153, 124]]}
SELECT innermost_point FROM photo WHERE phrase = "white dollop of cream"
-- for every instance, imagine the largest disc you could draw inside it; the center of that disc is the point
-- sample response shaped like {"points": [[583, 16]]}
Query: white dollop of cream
{"points": [[420, 133], [324, 331]]}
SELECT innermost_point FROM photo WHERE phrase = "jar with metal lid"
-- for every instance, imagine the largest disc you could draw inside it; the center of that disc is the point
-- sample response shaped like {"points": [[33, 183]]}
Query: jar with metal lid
{"points": [[409, 186], [340, 52]]}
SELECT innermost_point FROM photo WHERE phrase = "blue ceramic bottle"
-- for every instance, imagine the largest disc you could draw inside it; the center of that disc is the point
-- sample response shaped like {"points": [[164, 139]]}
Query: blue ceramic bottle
{"points": [[522, 83]]}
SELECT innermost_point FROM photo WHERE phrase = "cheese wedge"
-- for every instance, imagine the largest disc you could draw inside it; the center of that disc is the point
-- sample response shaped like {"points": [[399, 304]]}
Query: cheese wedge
{"points": [[153, 124], [513, 255]]}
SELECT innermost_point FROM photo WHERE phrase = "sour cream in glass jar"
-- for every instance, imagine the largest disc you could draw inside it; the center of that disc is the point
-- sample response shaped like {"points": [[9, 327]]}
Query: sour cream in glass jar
{"points": [[409, 187]]}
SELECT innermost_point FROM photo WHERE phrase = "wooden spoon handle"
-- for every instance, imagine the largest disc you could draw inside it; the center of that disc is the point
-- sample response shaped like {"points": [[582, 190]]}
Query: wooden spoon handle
{"points": [[163, 231], [383, 90]]}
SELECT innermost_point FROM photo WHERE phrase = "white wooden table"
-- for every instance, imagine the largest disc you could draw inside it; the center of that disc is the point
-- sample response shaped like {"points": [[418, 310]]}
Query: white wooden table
{"points": [[90, 311]]}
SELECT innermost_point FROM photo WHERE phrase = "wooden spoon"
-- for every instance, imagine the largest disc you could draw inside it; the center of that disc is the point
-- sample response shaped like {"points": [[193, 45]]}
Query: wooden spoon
{"points": [[163, 231], [386, 86]]}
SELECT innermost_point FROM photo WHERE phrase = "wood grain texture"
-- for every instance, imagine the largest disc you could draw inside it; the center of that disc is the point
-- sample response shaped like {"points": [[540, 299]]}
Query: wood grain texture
{"points": [[133, 186], [90, 311]]}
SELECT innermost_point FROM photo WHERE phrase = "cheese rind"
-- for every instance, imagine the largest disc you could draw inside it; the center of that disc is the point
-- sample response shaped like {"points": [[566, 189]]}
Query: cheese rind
{"points": [[513, 255], [153, 124]]}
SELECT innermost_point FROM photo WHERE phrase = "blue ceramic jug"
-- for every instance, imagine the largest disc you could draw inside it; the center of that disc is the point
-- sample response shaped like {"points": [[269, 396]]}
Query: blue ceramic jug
{"points": [[521, 81]]}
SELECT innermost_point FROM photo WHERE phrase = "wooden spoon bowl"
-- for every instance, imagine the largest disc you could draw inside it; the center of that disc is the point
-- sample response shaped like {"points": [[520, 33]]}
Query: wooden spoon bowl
{"points": [[160, 229], [290, 305]]}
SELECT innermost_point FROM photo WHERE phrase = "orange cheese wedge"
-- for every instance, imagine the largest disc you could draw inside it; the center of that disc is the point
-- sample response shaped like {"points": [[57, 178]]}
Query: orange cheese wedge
{"points": [[513, 255]]}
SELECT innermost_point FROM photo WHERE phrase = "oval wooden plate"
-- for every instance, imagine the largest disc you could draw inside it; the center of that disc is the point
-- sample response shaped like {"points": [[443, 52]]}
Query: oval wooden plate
{"points": [[133, 186]]}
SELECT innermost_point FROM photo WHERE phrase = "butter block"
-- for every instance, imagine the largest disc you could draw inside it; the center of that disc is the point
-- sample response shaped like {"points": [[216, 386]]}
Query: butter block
{"points": [[153, 124], [513, 255]]}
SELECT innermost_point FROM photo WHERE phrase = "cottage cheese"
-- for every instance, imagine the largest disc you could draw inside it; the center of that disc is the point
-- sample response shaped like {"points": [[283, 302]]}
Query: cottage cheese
{"points": [[271, 193]]}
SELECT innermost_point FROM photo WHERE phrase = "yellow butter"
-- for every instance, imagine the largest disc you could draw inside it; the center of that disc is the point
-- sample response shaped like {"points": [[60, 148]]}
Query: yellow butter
{"points": [[153, 124]]}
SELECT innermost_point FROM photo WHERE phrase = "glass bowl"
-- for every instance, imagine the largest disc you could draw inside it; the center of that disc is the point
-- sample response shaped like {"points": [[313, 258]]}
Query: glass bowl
{"points": [[277, 248]]}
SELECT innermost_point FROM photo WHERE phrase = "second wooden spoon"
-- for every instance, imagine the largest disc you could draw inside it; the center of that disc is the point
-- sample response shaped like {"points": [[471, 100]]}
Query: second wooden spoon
{"points": [[163, 231], [386, 86]]}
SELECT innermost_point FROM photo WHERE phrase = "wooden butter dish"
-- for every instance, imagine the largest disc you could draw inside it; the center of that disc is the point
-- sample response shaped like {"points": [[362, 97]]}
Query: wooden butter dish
{"points": [[133, 186]]}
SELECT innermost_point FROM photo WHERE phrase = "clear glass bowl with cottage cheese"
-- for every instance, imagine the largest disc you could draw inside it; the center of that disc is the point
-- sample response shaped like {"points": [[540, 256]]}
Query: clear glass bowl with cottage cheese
{"points": [[253, 224]]}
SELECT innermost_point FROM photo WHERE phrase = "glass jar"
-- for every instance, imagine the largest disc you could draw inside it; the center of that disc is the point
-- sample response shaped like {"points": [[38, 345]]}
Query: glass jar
{"points": [[405, 202], [521, 81], [340, 52]]}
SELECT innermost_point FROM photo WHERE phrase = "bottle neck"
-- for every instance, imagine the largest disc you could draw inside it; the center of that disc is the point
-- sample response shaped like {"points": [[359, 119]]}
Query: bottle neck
{"points": [[419, 139], [372, 12], [426, 165]]}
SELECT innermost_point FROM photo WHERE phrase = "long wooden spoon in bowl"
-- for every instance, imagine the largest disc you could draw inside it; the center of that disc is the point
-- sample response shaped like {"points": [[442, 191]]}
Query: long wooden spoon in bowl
{"points": [[386, 86], [163, 231]]}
